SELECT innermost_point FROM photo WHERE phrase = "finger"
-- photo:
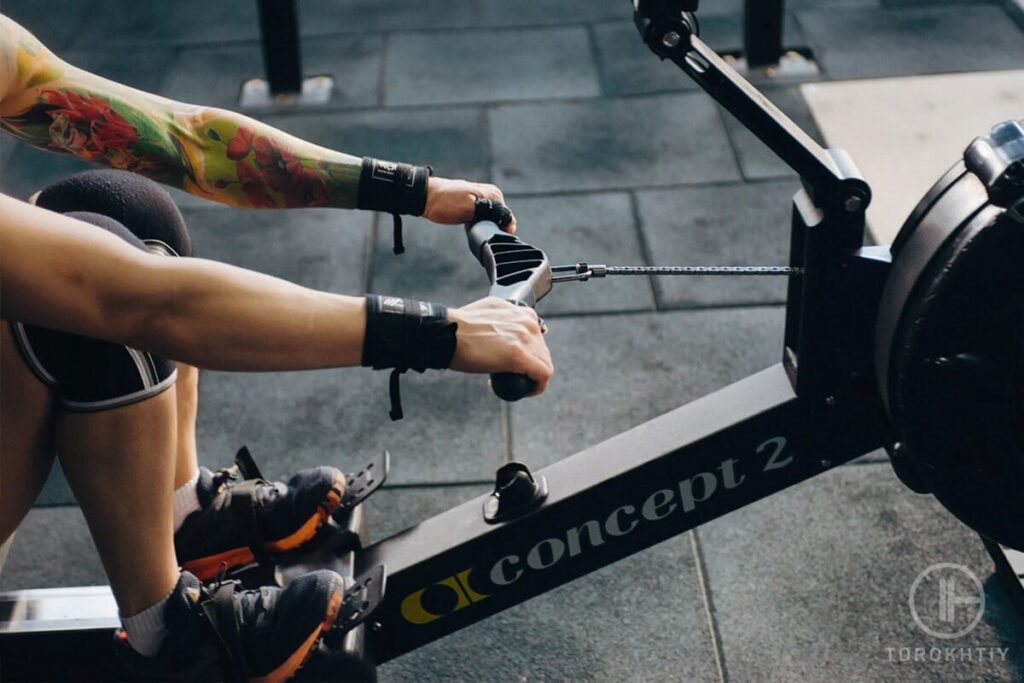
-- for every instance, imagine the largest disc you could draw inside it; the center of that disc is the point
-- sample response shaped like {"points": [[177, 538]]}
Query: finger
{"points": [[540, 368], [490, 210], [488, 191]]}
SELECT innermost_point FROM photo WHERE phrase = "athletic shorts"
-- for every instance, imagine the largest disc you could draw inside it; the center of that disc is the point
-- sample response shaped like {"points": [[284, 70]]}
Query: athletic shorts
{"points": [[89, 374]]}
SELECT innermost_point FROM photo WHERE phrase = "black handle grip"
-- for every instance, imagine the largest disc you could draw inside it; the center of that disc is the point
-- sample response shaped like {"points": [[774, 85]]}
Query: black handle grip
{"points": [[520, 274], [509, 386]]}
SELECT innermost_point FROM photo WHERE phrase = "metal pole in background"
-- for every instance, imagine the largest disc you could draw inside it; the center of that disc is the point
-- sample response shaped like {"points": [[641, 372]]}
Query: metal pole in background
{"points": [[282, 57], [284, 86], [762, 32]]}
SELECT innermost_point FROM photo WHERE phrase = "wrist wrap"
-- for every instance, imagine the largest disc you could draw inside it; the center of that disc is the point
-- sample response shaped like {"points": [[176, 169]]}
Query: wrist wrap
{"points": [[394, 188], [405, 334]]}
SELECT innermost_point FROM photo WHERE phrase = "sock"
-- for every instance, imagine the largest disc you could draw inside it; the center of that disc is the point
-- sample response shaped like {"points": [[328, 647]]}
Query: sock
{"points": [[147, 630], [185, 501]]}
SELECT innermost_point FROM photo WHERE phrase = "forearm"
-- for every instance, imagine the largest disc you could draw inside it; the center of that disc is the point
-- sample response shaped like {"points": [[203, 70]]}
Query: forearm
{"points": [[213, 153], [60, 273], [225, 318]]}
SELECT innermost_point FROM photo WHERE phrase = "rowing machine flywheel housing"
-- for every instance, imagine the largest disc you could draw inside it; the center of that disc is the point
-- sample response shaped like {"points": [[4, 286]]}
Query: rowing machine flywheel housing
{"points": [[950, 339]]}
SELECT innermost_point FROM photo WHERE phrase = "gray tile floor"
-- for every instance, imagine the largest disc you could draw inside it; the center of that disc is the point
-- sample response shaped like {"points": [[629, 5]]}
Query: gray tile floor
{"points": [[607, 155]]}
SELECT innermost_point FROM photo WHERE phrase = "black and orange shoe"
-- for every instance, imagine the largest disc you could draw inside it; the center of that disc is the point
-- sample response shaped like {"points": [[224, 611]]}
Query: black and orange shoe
{"points": [[224, 633], [244, 518]]}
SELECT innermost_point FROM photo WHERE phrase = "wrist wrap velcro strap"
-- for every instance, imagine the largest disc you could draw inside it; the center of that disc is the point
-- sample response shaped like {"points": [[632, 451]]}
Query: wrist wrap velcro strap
{"points": [[394, 188], [405, 334]]}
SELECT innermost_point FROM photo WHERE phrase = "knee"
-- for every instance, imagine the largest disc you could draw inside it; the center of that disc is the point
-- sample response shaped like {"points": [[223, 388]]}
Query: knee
{"points": [[139, 204]]}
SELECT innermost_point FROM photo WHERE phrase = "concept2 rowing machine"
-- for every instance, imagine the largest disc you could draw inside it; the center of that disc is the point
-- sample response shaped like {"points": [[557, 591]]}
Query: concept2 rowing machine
{"points": [[915, 348]]}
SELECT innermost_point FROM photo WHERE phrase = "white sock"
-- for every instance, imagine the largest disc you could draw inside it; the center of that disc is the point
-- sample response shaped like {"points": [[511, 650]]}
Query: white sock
{"points": [[147, 630], [185, 501]]}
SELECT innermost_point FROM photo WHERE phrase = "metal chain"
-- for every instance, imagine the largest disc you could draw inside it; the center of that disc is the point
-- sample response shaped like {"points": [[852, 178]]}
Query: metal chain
{"points": [[583, 271], [704, 270]]}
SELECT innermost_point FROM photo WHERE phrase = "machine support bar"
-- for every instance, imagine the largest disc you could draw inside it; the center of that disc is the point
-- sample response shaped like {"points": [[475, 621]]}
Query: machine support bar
{"points": [[658, 480], [279, 34], [762, 32]]}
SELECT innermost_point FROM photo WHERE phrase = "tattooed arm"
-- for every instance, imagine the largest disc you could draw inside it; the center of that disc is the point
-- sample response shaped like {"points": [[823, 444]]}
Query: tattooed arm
{"points": [[213, 153]]}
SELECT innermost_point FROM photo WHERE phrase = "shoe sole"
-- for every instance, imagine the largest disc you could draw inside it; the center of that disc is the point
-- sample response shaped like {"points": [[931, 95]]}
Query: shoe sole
{"points": [[209, 567], [299, 658]]}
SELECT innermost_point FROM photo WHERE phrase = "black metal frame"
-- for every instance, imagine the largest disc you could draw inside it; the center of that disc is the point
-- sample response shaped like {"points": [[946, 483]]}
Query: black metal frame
{"points": [[754, 438]]}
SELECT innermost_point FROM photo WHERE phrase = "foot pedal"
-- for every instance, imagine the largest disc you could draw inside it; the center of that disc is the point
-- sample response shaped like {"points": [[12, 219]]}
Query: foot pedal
{"points": [[246, 465], [256, 574], [361, 599], [359, 485]]}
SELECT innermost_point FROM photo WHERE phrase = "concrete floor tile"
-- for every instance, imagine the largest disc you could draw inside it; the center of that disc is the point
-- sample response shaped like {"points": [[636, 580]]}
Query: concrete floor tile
{"points": [[756, 159], [213, 75], [628, 67], [322, 17], [107, 23], [813, 584], [867, 43], [609, 144], [436, 266], [340, 417], [745, 224], [575, 632], [539, 12], [319, 248], [452, 140], [489, 66], [641, 366], [52, 548], [597, 228]]}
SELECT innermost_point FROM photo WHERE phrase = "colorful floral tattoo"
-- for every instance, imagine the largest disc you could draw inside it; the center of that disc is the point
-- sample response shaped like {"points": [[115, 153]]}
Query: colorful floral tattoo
{"points": [[213, 153]]}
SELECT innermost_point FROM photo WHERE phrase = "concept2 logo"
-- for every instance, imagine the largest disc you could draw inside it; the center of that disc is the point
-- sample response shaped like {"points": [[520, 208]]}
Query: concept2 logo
{"points": [[446, 596], [469, 586]]}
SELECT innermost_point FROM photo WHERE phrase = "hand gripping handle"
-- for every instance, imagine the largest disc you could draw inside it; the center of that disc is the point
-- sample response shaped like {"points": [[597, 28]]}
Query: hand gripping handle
{"points": [[519, 273]]}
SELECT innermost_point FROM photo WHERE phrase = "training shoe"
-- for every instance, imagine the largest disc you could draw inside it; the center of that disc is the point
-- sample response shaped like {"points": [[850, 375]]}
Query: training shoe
{"points": [[224, 633], [244, 518]]}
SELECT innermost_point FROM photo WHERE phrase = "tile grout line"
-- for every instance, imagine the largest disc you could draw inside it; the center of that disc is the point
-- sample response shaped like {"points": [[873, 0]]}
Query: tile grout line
{"points": [[723, 114], [595, 56], [385, 45], [709, 608], [645, 248]]}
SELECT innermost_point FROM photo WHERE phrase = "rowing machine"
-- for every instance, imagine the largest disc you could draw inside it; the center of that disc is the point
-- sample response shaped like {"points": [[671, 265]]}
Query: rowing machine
{"points": [[914, 348]]}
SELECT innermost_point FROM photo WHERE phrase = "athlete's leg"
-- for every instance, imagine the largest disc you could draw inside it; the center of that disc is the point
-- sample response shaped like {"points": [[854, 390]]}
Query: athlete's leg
{"points": [[149, 212], [26, 449], [120, 465], [187, 390], [210, 532]]}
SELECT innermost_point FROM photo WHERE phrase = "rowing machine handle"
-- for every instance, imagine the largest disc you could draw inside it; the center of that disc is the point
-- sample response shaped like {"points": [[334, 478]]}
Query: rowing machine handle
{"points": [[520, 274]]}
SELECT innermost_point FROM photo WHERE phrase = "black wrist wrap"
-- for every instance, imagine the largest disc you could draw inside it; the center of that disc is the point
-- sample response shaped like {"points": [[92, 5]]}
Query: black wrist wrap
{"points": [[394, 188], [405, 334]]}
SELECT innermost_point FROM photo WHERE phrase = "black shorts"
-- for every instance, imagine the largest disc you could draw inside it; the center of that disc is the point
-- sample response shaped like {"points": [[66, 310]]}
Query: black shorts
{"points": [[90, 374]]}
